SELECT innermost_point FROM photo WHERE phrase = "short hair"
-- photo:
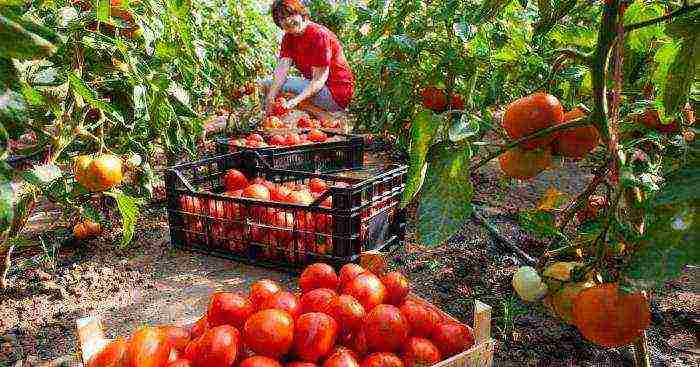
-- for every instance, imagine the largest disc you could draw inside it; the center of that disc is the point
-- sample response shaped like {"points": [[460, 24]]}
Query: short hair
{"points": [[281, 9]]}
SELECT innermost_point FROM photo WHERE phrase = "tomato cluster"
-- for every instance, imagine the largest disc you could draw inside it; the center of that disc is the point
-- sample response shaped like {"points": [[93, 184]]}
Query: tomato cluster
{"points": [[285, 233], [281, 140], [352, 319]]}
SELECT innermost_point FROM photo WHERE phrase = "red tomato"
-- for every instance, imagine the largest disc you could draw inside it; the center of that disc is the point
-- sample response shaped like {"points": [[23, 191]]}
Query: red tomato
{"points": [[278, 140], [178, 337], [259, 361], [382, 360], [348, 312], [341, 357], [317, 136], [180, 362], [422, 319], [112, 355], [226, 308], [217, 347], [317, 300], [348, 272], [453, 338], [148, 347], [420, 352], [284, 301], [235, 180], [385, 328], [367, 289], [318, 275], [269, 333], [397, 287], [261, 290], [314, 336], [199, 327], [317, 185]]}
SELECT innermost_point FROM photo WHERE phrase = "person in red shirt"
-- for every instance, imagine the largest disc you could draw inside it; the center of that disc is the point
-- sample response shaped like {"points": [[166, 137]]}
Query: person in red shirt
{"points": [[318, 55]]}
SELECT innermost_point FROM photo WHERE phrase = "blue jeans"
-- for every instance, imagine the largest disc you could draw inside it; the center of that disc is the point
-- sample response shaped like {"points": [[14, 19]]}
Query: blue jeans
{"points": [[322, 99]]}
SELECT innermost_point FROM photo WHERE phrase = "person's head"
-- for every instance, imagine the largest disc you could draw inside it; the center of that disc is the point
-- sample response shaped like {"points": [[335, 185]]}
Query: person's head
{"points": [[290, 15]]}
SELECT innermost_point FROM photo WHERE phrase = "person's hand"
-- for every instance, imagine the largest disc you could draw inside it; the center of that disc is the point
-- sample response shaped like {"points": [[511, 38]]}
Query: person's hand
{"points": [[268, 105], [290, 104]]}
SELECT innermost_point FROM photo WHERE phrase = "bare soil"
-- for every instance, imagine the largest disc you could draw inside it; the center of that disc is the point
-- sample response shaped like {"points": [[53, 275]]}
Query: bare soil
{"points": [[150, 283]]}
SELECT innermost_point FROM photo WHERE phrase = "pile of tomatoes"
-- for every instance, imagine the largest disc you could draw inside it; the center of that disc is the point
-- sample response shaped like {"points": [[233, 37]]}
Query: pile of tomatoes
{"points": [[348, 319], [280, 140], [286, 233]]}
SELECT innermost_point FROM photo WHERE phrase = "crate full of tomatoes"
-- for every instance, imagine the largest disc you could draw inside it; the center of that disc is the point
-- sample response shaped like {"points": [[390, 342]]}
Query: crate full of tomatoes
{"points": [[236, 207], [305, 149], [352, 319]]}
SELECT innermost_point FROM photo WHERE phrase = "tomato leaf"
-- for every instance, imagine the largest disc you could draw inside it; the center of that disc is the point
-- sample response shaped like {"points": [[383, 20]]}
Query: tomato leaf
{"points": [[90, 96], [640, 39], [103, 10], [7, 212], [423, 130], [129, 210], [681, 75], [19, 43], [445, 203]]}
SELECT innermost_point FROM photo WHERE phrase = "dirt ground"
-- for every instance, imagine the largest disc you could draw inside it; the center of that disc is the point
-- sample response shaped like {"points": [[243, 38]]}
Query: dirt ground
{"points": [[149, 283]]}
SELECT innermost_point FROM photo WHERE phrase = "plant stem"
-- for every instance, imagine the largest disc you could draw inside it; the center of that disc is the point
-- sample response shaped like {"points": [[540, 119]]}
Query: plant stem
{"points": [[684, 10], [583, 121]]}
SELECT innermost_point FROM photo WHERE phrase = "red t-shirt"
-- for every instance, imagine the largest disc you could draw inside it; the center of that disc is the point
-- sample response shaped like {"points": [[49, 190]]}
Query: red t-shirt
{"points": [[318, 46]]}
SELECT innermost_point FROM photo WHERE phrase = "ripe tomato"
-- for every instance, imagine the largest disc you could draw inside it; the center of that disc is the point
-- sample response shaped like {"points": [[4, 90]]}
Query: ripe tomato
{"points": [[217, 347], [177, 336], [301, 364], [532, 113], [453, 338], [317, 300], [348, 272], [382, 360], [367, 289], [422, 319], [317, 136], [112, 355], [148, 347], [420, 352], [269, 333], [255, 137], [259, 361], [284, 301], [314, 336], [318, 275], [341, 357], [291, 139], [180, 362], [226, 308], [278, 140], [235, 180], [397, 287], [317, 185], [348, 312], [385, 328], [199, 327], [262, 290]]}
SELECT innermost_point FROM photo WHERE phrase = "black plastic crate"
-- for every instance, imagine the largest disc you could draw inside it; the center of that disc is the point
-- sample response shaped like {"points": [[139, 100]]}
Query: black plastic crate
{"points": [[330, 156], [364, 215]]}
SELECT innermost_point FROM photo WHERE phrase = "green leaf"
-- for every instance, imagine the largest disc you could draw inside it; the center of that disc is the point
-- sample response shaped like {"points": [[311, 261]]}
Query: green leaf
{"points": [[640, 39], [664, 58], [90, 97], [466, 127], [7, 212], [129, 210], [423, 131], [684, 26], [103, 9], [445, 203], [681, 75], [19, 43], [43, 175], [140, 103], [465, 31]]}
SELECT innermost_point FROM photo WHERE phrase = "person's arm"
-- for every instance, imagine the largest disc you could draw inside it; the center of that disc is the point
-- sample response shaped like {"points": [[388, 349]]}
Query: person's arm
{"points": [[319, 78], [279, 77]]}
